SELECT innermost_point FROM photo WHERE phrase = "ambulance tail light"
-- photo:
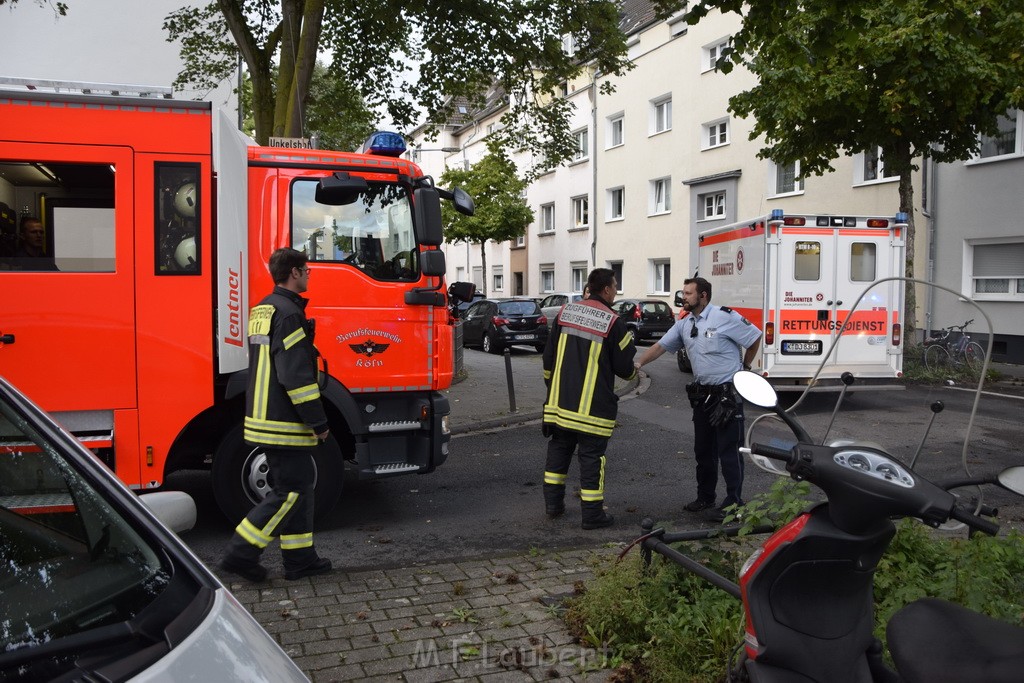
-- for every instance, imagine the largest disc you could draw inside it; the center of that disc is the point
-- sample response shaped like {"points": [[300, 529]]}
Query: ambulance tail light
{"points": [[794, 220], [897, 334], [769, 334], [878, 223]]}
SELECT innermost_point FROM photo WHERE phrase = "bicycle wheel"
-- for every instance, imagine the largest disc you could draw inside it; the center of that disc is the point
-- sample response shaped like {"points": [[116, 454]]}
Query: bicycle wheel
{"points": [[974, 356], [936, 358]]}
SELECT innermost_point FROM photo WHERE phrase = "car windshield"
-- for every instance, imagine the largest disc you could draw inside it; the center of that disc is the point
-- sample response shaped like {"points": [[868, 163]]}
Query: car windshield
{"points": [[69, 563], [517, 308]]}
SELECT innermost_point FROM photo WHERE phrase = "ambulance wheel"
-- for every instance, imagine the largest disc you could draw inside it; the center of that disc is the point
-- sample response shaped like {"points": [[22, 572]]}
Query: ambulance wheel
{"points": [[240, 476]]}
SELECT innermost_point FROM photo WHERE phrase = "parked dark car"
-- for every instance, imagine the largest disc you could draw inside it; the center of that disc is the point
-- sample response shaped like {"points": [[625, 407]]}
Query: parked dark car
{"points": [[648, 318], [493, 324], [96, 585]]}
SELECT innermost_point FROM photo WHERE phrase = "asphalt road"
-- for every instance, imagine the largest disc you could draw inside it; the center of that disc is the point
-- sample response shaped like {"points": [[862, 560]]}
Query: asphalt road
{"points": [[486, 500]]}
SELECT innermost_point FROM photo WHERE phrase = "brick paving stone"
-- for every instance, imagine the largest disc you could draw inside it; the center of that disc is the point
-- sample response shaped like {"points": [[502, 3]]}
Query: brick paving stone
{"points": [[373, 639], [319, 647], [349, 598], [434, 674], [347, 672], [294, 637], [316, 601], [386, 666], [353, 630], [327, 660], [385, 625], [489, 601]]}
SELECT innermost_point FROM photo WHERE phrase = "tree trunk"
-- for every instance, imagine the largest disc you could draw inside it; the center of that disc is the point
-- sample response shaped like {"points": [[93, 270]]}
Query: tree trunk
{"points": [[483, 266], [291, 25], [907, 206], [305, 61]]}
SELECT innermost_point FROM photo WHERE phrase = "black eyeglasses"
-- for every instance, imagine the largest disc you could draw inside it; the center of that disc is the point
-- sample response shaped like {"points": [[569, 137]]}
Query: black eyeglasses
{"points": [[693, 328]]}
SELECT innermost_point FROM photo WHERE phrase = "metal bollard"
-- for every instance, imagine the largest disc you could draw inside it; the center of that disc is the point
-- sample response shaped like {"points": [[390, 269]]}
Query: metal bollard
{"points": [[511, 384]]}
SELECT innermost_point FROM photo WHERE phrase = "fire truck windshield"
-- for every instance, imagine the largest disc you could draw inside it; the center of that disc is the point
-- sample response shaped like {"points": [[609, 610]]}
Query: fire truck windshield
{"points": [[374, 233]]}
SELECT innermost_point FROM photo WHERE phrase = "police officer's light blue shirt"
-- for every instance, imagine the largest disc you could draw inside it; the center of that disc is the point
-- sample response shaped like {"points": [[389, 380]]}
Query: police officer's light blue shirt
{"points": [[716, 353]]}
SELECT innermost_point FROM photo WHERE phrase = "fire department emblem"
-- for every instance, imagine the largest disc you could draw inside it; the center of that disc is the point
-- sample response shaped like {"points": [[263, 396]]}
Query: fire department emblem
{"points": [[739, 260], [369, 348]]}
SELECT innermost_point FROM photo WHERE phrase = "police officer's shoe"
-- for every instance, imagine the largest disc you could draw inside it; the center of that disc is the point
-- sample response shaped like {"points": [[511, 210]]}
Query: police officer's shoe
{"points": [[604, 520], [320, 565], [247, 569], [698, 505]]}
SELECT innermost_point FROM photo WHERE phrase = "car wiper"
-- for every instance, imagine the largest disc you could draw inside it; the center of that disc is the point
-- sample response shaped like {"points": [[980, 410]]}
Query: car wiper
{"points": [[100, 637]]}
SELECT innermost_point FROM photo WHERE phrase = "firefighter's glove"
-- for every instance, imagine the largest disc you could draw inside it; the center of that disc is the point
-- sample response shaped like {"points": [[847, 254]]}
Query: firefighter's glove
{"points": [[723, 412]]}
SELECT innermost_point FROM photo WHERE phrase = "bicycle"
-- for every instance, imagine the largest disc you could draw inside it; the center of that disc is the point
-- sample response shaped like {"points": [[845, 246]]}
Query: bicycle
{"points": [[945, 350]]}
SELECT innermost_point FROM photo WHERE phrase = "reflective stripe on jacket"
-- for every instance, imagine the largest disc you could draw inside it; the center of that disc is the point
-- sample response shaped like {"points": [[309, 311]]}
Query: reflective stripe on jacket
{"points": [[283, 407], [588, 347]]}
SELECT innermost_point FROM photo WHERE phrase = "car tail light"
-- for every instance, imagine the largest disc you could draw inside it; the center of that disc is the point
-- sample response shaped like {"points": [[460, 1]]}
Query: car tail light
{"points": [[499, 321], [769, 334], [542, 320], [897, 334], [637, 314]]}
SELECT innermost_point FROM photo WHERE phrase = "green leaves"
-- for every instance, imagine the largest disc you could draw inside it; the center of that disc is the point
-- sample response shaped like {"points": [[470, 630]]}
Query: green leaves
{"points": [[501, 214]]}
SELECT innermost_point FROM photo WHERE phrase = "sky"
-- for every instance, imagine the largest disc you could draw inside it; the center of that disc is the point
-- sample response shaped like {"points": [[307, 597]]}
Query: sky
{"points": [[100, 41]]}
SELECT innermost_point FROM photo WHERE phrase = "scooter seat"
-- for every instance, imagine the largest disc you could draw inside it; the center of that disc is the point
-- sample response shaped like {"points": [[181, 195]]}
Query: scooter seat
{"points": [[932, 641]]}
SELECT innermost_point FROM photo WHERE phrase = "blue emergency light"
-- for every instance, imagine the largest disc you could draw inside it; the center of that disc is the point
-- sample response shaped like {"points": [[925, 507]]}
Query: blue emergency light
{"points": [[901, 217], [777, 214], [385, 143]]}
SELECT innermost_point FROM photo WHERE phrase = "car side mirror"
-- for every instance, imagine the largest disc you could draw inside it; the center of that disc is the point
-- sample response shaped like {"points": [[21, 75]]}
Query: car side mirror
{"points": [[432, 263], [463, 291], [679, 297], [427, 216]]}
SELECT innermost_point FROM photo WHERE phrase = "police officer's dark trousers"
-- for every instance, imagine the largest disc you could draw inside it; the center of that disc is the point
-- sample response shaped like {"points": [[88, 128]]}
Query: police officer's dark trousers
{"points": [[286, 513], [714, 447], [592, 460]]}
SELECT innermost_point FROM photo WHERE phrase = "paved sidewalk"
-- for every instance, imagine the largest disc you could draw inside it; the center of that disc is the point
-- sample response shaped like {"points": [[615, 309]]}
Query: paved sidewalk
{"points": [[473, 620]]}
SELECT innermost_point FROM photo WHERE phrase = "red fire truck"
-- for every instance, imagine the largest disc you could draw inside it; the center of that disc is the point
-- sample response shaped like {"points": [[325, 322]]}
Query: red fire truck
{"points": [[159, 219]]}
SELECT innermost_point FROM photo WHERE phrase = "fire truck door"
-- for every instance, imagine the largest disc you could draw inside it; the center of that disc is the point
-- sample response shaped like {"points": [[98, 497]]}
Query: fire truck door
{"points": [[67, 314]]}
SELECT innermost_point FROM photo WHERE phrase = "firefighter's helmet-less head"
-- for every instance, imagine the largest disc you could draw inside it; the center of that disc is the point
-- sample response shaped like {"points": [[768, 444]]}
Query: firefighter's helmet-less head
{"points": [[185, 200]]}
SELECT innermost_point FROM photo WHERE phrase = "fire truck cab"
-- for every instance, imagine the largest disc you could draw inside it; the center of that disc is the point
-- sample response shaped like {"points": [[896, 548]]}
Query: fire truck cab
{"points": [[128, 321]]}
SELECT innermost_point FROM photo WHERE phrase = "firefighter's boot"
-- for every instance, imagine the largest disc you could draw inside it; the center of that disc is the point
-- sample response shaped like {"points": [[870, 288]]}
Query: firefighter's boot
{"points": [[554, 500], [594, 516]]}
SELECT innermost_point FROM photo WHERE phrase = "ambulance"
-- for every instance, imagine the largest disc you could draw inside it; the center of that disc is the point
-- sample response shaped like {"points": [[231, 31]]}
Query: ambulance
{"points": [[160, 217], [797, 278]]}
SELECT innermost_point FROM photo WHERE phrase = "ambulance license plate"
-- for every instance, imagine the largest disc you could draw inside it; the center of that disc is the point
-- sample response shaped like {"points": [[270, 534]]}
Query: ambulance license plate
{"points": [[801, 348]]}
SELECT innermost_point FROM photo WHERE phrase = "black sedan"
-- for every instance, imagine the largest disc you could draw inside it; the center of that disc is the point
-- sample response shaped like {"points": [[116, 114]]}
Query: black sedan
{"points": [[493, 324], [648, 318]]}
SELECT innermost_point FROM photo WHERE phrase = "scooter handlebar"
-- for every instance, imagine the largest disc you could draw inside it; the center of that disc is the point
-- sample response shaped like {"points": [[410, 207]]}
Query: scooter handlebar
{"points": [[973, 521], [771, 452]]}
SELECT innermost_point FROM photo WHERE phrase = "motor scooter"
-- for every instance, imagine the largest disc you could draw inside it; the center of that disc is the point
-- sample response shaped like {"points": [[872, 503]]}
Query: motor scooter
{"points": [[807, 592]]}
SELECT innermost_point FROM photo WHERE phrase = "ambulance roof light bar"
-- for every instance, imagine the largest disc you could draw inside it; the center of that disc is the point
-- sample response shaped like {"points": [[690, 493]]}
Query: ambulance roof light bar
{"points": [[89, 88]]}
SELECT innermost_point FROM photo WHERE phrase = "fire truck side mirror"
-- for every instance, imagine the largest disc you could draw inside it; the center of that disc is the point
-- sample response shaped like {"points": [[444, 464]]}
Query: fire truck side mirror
{"points": [[427, 215], [340, 189], [432, 263], [464, 204]]}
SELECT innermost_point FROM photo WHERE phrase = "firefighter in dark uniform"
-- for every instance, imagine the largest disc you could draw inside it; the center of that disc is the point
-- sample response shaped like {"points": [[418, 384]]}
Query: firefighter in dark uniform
{"points": [[286, 418], [588, 347], [718, 341]]}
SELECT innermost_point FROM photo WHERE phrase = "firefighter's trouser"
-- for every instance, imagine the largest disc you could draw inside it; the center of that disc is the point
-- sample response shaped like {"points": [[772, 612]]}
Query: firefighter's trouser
{"points": [[286, 513], [592, 458]]}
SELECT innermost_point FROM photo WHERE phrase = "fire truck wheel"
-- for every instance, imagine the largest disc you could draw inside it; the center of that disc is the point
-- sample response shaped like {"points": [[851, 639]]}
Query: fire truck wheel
{"points": [[240, 476]]}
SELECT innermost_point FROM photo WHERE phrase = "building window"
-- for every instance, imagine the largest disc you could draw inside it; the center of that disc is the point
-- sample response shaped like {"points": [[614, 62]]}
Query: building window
{"points": [[1007, 140], [615, 137], [661, 115], [569, 45], [616, 199], [711, 54], [996, 270], [869, 166], [581, 212], [662, 272], [712, 206], [547, 218], [582, 138], [616, 267], [520, 241], [660, 196], [498, 279], [579, 276], [547, 279], [787, 178], [716, 134]]}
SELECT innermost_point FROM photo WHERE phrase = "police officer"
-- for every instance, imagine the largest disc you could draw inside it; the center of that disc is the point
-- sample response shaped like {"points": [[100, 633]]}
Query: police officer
{"points": [[285, 417], [718, 342], [588, 346]]}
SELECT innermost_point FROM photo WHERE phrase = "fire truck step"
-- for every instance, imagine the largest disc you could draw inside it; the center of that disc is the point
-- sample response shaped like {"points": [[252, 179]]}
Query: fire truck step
{"points": [[396, 426], [395, 468]]}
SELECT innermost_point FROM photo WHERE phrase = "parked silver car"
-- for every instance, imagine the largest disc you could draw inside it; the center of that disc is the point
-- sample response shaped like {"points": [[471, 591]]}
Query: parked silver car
{"points": [[95, 587], [552, 303]]}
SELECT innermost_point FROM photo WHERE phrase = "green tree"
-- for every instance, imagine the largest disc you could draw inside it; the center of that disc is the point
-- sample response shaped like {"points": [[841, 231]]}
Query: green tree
{"points": [[501, 214], [329, 94], [912, 77], [414, 58]]}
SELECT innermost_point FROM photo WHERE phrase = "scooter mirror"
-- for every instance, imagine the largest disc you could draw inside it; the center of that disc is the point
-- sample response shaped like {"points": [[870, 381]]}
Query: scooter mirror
{"points": [[755, 389], [1012, 478]]}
